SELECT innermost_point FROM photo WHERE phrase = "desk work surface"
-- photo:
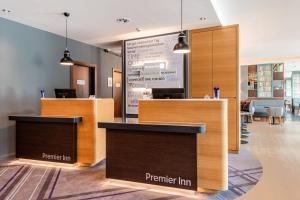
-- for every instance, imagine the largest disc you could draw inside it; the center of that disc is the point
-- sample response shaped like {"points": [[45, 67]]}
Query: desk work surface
{"points": [[50, 119], [133, 124]]}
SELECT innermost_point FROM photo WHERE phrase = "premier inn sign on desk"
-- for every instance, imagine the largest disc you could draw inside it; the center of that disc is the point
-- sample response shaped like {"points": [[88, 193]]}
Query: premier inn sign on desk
{"points": [[166, 179], [55, 142], [56, 157], [165, 159]]}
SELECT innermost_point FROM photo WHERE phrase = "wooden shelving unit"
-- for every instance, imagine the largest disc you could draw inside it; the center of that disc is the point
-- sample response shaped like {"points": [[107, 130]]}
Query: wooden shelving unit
{"points": [[278, 80], [266, 81], [252, 81]]}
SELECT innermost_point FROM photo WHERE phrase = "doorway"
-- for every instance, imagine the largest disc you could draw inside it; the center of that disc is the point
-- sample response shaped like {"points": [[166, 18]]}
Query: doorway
{"points": [[83, 79], [117, 92]]}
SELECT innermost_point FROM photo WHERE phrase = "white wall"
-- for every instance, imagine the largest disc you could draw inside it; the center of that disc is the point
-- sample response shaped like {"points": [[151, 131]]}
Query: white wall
{"points": [[244, 82]]}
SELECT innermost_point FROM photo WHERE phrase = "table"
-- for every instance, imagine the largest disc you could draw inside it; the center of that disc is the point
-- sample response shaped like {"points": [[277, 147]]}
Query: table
{"points": [[273, 118]]}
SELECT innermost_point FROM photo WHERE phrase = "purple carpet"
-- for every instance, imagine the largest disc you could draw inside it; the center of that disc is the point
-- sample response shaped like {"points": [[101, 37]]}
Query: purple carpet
{"points": [[23, 181]]}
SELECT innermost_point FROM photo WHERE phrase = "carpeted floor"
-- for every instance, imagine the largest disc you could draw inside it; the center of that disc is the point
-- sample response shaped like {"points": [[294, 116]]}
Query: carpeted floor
{"points": [[23, 181]]}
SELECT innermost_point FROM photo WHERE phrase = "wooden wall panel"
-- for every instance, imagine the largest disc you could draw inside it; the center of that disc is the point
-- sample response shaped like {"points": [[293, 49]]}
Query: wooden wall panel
{"points": [[252, 93], [225, 64], [222, 71], [201, 77], [278, 76], [252, 68], [212, 147], [233, 133], [278, 93]]}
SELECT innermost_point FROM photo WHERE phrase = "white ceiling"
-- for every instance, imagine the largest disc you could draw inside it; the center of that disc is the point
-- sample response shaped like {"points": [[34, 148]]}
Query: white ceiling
{"points": [[94, 21], [269, 29], [291, 66]]}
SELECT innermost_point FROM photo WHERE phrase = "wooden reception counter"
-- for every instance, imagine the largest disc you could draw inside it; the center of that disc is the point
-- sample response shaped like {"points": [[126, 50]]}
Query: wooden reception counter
{"points": [[157, 154], [212, 147], [91, 141], [47, 138]]}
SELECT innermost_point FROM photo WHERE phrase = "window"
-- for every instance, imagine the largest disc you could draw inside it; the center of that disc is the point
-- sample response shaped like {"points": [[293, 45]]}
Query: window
{"points": [[288, 87], [264, 81], [296, 84]]}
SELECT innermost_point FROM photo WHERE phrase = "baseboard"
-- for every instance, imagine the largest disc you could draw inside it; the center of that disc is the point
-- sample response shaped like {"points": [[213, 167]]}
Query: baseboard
{"points": [[234, 151], [7, 156]]}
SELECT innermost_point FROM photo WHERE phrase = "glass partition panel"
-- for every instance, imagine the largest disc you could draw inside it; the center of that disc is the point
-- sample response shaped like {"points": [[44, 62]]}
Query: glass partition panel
{"points": [[288, 87], [296, 84], [264, 81]]}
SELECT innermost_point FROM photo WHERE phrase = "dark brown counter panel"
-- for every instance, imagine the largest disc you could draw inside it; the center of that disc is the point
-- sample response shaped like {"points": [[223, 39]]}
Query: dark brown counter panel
{"points": [[46, 138], [159, 154]]}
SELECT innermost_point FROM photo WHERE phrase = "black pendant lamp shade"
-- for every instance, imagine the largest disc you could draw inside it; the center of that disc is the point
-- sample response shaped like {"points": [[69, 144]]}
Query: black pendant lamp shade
{"points": [[181, 46], [66, 60]]}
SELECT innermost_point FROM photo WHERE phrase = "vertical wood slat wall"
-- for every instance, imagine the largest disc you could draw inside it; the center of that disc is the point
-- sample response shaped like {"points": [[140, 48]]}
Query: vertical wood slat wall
{"points": [[214, 61]]}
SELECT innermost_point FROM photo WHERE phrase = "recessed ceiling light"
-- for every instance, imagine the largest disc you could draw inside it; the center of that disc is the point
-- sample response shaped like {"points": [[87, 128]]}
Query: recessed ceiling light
{"points": [[138, 29], [122, 20], [203, 18], [6, 10]]}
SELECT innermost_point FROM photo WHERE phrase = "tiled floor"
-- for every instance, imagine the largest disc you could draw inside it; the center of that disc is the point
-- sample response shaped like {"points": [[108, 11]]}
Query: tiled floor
{"points": [[292, 117], [278, 149]]}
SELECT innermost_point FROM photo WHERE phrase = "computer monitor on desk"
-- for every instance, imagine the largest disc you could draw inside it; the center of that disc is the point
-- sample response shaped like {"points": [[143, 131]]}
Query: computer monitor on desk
{"points": [[65, 93], [168, 93]]}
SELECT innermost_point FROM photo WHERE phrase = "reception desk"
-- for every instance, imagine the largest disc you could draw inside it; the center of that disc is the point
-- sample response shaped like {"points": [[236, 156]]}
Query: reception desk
{"points": [[91, 141], [212, 147], [167, 146], [157, 154], [47, 138]]}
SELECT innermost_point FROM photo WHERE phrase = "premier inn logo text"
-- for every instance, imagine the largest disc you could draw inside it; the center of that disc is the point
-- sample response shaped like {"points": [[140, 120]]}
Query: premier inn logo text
{"points": [[169, 180], [56, 157]]}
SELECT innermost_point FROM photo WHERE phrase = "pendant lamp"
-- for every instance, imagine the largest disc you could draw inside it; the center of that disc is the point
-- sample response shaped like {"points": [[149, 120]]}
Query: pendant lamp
{"points": [[181, 46], [66, 60]]}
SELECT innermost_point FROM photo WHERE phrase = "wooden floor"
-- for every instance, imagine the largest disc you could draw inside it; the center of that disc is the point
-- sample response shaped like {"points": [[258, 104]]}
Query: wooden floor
{"points": [[278, 149]]}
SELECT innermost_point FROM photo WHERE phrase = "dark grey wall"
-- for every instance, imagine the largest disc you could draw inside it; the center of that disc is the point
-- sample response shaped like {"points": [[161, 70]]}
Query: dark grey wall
{"points": [[108, 62], [29, 61]]}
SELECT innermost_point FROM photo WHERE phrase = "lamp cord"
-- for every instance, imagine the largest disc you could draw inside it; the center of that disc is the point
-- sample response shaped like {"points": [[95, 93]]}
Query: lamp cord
{"points": [[181, 15], [66, 33]]}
